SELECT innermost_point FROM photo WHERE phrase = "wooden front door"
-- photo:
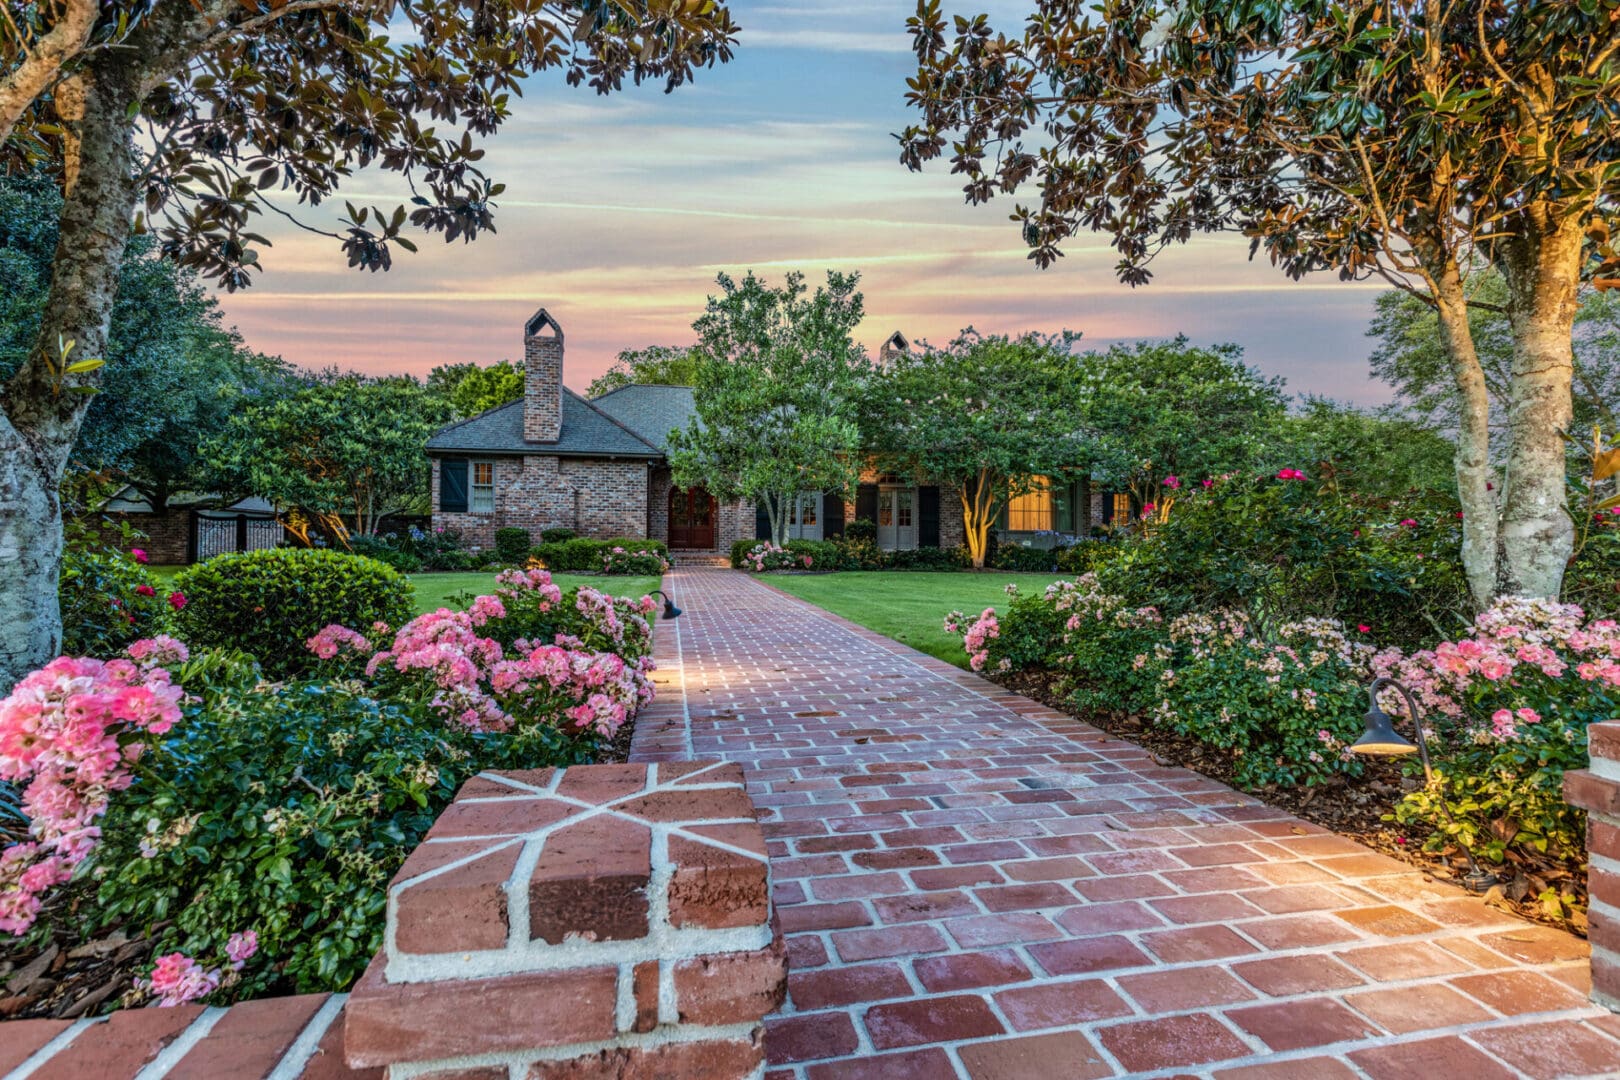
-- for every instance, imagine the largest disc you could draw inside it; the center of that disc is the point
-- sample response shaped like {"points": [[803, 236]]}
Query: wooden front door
{"points": [[691, 518]]}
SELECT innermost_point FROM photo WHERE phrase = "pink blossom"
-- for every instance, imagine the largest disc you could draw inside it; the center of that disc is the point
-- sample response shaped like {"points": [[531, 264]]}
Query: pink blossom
{"points": [[1290, 474], [1408, 523], [145, 590], [177, 979], [241, 947], [1207, 482], [1363, 628], [138, 554], [1172, 482], [177, 600]]}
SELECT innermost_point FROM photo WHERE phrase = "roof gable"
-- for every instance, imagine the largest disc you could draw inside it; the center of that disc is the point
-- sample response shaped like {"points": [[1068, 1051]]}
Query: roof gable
{"points": [[586, 432]]}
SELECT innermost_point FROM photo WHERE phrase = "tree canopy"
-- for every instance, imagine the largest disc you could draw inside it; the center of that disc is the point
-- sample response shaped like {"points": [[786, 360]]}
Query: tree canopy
{"points": [[340, 452], [990, 417], [778, 382], [1409, 141], [470, 389], [1158, 409], [666, 365]]}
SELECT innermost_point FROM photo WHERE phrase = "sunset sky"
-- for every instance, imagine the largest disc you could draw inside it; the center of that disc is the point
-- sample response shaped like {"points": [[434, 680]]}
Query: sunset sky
{"points": [[619, 211]]}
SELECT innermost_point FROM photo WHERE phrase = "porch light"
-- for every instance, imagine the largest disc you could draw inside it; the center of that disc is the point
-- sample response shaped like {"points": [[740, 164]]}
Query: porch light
{"points": [[1380, 739], [670, 610]]}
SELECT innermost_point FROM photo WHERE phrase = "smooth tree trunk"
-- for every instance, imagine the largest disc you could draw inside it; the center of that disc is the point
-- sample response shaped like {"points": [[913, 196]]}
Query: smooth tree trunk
{"points": [[1542, 268], [43, 408], [1473, 456]]}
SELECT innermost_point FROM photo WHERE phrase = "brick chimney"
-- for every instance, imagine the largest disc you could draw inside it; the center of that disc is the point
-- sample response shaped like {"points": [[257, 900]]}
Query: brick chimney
{"points": [[542, 378], [897, 345]]}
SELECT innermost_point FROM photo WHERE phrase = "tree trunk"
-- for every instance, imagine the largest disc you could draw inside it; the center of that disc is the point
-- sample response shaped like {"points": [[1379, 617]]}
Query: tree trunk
{"points": [[44, 407], [776, 511], [1542, 268], [1473, 456]]}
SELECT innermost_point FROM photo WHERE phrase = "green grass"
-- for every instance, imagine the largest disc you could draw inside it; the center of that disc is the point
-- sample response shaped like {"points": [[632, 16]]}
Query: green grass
{"points": [[433, 590], [909, 606]]}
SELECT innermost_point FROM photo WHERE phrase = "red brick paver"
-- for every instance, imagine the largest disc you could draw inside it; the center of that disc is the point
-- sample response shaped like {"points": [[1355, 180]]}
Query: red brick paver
{"points": [[974, 885]]}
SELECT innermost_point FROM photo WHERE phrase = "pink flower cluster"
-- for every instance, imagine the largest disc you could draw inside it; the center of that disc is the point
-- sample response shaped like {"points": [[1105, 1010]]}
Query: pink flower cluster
{"points": [[177, 978], [444, 646], [1515, 644], [528, 587], [72, 731], [333, 641], [1290, 474], [977, 637]]}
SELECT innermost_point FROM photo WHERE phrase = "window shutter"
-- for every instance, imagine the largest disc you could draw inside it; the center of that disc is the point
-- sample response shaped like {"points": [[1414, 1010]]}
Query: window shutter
{"points": [[762, 521], [453, 485], [832, 517], [866, 496], [928, 517]]}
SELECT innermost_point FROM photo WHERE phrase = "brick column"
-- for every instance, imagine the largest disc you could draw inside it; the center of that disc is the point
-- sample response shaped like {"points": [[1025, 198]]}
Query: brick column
{"points": [[1597, 791], [600, 920]]}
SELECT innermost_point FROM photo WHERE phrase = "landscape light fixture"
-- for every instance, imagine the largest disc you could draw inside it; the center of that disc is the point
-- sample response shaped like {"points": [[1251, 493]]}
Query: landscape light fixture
{"points": [[670, 610], [1380, 739]]}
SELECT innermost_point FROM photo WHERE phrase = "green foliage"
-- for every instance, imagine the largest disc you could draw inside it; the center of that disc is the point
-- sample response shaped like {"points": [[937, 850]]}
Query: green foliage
{"points": [[658, 365], [1026, 559], [269, 603], [648, 561], [824, 554], [512, 544], [557, 534], [469, 389], [925, 558], [861, 529], [108, 599], [855, 553], [1087, 555], [1382, 455], [386, 550], [1283, 549], [339, 447], [1160, 409], [992, 416], [582, 554], [739, 549], [776, 387], [174, 372]]}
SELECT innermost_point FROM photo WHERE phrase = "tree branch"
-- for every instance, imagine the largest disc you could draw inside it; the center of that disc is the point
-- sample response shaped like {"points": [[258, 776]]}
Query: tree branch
{"points": [[23, 85]]}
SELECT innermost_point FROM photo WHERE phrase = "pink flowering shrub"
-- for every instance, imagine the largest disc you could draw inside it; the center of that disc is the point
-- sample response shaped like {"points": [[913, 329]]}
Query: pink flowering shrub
{"points": [[621, 560], [765, 556], [1509, 704], [108, 599], [70, 736]]}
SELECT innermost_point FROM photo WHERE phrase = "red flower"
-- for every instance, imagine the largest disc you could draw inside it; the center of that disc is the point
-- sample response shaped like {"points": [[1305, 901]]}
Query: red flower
{"points": [[1290, 474], [145, 590], [177, 600], [137, 554], [1364, 628]]}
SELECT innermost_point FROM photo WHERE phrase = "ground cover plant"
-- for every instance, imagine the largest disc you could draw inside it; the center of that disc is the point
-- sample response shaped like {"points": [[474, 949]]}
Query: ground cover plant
{"points": [[214, 835]]}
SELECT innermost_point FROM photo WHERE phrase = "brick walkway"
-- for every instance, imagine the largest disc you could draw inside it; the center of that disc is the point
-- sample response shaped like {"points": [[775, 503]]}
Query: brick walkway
{"points": [[975, 885]]}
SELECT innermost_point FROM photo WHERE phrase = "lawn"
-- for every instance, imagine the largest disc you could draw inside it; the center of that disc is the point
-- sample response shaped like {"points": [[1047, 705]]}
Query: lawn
{"points": [[909, 606], [433, 590]]}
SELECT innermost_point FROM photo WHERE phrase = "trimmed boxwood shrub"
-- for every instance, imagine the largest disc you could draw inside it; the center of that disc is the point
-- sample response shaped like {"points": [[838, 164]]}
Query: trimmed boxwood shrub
{"points": [[512, 544], [824, 554], [928, 558], [1026, 559], [268, 603], [582, 554], [740, 550], [556, 535]]}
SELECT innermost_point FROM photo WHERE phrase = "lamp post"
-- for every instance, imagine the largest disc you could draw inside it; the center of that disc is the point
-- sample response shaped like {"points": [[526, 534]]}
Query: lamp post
{"points": [[670, 610], [1380, 739]]}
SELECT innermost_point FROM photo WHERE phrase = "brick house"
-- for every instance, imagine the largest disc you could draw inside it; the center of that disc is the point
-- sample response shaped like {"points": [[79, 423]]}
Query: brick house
{"points": [[599, 467]]}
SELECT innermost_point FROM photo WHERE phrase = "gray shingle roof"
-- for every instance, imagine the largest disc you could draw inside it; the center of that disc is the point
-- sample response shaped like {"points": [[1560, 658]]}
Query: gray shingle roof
{"points": [[586, 432], [650, 411]]}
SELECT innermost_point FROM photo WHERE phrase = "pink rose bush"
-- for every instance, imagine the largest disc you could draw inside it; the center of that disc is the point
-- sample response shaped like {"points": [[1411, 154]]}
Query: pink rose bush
{"points": [[766, 556], [70, 736], [1509, 705], [177, 978], [644, 563]]}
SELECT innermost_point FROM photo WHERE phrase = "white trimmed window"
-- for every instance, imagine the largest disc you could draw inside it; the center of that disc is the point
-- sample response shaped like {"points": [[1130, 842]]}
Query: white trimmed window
{"points": [[482, 498]]}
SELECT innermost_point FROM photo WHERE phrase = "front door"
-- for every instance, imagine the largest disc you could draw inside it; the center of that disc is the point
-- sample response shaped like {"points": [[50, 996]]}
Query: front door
{"points": [[897, 518], [691, 518], [804, 518]]}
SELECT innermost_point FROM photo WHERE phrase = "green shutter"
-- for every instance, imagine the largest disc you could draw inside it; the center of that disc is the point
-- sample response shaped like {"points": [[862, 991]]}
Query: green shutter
{"points": [[453, 485], [928, 517]]}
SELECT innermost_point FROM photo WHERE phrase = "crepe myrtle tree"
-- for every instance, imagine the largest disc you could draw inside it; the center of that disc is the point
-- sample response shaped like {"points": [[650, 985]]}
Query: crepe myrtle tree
{"points": [[992, 417], [1408, 140], [777, 382], [189, 119]]}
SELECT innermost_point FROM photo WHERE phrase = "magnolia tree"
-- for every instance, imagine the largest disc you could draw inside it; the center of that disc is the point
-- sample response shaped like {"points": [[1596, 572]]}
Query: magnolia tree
{"points": [[1409, 141], [990, 417], [192, 118], [1164, 412], [777, 383]]}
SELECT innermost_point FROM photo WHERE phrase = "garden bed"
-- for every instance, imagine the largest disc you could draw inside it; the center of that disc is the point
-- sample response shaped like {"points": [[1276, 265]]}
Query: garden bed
{"points": [[1350, 806]]}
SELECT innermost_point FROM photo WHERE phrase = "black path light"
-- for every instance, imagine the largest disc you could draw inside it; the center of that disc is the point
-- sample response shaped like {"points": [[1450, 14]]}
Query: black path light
{"points": [[1382, 740], [670, 610]]}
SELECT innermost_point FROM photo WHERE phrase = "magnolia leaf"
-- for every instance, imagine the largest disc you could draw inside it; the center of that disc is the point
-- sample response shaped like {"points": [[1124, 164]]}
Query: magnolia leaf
{"points": [[1606, 464], [79, 367]]}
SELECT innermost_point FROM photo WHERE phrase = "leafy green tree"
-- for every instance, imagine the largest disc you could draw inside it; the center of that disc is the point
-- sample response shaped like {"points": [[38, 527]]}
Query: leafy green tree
{"points": [[469, 389], [341, 451], [1382, 454], [195, 117], [664, 365], [1154, 410], [990, 417], [1409, 354], [174, 374], [1408, 141], [777, 383]]}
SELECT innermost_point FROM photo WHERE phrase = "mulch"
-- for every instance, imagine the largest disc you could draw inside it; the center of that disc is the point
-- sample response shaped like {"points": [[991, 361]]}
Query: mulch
{"points": [[1351, 806]]}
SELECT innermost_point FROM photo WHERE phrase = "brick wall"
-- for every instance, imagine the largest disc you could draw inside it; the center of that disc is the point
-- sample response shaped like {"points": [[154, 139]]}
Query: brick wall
{"points": [[595, 497], [597, 921], [1597, 791], [168, 534]]}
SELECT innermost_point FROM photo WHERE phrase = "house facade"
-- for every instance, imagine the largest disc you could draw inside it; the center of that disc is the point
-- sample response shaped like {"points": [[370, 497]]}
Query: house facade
{"points": [[554, 459]]}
